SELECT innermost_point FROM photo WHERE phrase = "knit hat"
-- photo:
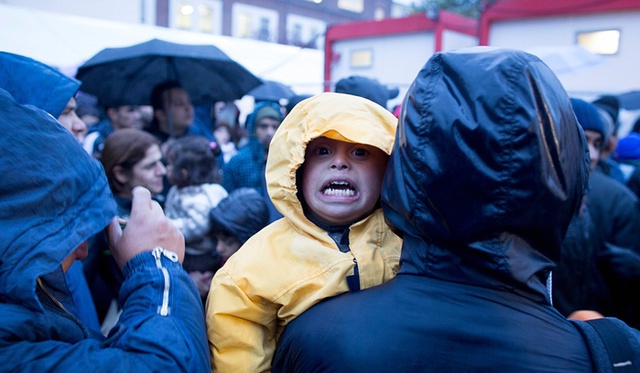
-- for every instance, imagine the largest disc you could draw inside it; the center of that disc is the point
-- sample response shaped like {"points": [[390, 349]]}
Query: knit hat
{"points": [[242, 214], [293, 101], [628, 148], [267, 112], [610, 104], [367, 88], [588, 116]]}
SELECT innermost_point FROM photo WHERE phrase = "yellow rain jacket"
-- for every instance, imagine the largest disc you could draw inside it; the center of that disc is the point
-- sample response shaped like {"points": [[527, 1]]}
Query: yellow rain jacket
{"points": [[292, 264]]}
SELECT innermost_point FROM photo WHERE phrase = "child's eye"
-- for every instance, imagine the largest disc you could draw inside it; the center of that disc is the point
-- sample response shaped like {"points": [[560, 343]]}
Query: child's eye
{"points": [[322, 151], [360, 152]]}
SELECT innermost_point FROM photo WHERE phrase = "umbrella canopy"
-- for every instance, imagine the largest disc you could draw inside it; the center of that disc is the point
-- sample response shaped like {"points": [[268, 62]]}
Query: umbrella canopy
{"points": [[126, 76], [629, 100], [271, 90], [566, 58]]}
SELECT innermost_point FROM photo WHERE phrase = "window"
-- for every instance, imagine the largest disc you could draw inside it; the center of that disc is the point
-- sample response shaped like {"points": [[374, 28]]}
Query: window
{"points": [[206, 18], [315, 36], [296, 34], [263, 32], [304, 31], [600, 42], [185, 10], [196, 15], [361, 58], [356, 6], [244, 25], [254, 22]]}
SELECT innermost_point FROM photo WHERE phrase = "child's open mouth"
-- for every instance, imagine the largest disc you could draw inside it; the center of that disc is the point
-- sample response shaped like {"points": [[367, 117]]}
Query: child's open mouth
{"points": [[339, 188]]}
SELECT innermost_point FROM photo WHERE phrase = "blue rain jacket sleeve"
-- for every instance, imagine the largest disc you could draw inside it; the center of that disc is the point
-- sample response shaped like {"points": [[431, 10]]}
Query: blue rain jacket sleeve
{"points": [[53, 197], [143, 340]]}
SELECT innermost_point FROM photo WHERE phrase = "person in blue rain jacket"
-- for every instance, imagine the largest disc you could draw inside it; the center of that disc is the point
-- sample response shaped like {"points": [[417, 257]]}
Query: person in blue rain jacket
{"points": [[53, 197], [34, 83]]}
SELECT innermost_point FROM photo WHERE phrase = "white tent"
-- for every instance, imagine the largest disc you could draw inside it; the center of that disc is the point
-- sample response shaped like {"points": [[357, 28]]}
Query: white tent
{"points": [[66, 41]]}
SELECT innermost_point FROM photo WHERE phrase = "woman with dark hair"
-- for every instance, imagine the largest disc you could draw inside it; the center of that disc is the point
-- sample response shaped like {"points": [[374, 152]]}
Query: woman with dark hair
{"points": [[132, 158]]}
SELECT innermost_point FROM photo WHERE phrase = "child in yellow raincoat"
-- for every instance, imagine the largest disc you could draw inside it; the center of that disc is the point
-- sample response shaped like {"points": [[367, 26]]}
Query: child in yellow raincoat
{"points": [[324, 174]]}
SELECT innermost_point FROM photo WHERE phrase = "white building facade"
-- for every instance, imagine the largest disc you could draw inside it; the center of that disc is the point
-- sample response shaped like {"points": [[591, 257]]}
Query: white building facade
{"points": [[393, 50]]}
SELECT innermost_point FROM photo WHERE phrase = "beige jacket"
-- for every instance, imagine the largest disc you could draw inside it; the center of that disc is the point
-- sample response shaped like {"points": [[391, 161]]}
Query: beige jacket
{"points": [[292, 264]]}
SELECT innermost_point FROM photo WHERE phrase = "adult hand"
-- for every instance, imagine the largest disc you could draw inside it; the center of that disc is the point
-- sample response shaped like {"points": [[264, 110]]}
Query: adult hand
{"points": [[147, 228], [584, 315]]}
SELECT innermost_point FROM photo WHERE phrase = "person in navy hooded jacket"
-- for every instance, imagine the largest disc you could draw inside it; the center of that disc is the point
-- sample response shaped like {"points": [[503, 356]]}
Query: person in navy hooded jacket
{"points": [[53, 197], [34, 83], [488, 168]]}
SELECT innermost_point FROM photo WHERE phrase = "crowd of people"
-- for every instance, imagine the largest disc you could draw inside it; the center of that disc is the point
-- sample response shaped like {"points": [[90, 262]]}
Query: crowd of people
{"points": [[490, 222]]}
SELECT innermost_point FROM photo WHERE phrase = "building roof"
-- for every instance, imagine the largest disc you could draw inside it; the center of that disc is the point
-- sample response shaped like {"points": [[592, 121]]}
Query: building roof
{"points": [[509, 10]]}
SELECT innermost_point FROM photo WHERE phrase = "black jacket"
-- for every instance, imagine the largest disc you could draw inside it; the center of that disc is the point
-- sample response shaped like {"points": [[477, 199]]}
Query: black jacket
{"points": [[615, 211], [488, 168], [578, 283]]}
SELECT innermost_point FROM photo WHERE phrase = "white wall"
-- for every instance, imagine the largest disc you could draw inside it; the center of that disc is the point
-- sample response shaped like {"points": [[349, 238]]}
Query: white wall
{"points": [[452, 40], [617, 73], [397, 59]]}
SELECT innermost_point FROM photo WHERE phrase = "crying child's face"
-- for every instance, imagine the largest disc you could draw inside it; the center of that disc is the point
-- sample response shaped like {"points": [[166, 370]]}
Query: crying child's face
{"points": [[341, 181]]}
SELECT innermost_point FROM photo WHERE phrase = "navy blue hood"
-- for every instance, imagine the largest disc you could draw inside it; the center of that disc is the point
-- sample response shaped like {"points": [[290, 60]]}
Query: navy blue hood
{"points": [[53, 197], [487, 170], [33, 83]]}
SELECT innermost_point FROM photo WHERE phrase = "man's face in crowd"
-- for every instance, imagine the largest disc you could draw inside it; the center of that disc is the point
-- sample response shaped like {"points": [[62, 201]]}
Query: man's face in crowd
{"points": [[594, 139], [265, 129], [178, 106], [72, 122]]}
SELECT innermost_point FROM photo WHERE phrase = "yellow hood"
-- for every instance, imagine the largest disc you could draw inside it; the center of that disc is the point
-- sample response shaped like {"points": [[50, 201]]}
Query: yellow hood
{"points": [[338, 116]]}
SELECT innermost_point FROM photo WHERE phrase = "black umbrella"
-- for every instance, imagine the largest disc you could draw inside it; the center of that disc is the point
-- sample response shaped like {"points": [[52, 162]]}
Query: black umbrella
{"points": [[126, 76], [629, 100], [271, 91]]}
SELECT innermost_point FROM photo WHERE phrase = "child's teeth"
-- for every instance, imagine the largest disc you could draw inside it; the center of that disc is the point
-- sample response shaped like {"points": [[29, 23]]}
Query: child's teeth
{"points": [[339, 192]]}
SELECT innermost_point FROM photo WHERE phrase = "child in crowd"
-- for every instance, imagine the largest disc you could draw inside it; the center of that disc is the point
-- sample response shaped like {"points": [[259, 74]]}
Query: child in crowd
{"points": [[324, 174], [236, 218], [222, 133], [191, 169]]}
